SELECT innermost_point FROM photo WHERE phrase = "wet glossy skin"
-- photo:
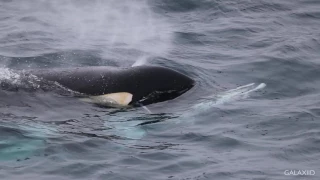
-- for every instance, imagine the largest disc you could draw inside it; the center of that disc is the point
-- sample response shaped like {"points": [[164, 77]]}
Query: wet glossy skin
{"points": [[147, 84]]}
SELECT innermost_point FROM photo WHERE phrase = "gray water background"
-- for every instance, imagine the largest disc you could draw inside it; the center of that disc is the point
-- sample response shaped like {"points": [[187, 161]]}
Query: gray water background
{"points": [[221, 44]]}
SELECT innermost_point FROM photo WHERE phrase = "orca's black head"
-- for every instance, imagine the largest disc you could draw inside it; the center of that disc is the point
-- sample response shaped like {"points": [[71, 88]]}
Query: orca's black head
{"points": [[156, 84], [146, 84]]}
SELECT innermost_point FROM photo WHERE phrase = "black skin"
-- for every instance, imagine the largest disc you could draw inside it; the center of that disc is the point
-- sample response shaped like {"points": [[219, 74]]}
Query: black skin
{"points": [[147, 84]]}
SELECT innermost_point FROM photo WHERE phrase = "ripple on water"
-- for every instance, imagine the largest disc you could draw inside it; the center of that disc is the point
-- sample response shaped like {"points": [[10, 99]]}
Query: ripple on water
{"points": [[220, 44]]}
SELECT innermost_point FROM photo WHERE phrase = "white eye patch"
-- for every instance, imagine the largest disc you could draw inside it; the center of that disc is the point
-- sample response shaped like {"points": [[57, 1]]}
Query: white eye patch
{"points": [[112, 100]]}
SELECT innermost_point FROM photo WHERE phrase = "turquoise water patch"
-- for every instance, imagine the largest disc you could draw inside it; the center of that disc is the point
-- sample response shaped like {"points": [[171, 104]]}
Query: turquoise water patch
{"points": [[19, 149], [21, 142]]}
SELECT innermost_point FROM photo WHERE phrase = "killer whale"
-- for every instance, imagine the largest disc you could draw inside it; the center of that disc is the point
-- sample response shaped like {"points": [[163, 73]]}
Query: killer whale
{"points": [[135, 86]]}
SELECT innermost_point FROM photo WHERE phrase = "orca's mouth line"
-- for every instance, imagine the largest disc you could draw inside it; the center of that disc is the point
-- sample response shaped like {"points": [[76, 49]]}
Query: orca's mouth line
{"points": [[160, 96]]}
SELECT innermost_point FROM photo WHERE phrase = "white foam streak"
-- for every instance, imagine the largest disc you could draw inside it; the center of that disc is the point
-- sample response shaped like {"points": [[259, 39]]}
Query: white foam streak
{"points": [[9, 76], [229, 96]]}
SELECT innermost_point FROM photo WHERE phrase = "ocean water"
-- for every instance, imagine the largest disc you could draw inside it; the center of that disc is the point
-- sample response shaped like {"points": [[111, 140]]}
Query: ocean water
{"points": [[226, 127]]}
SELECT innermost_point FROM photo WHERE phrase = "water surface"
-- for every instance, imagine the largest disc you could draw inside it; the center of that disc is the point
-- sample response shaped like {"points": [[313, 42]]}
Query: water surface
{"points": [[47, 133]]}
